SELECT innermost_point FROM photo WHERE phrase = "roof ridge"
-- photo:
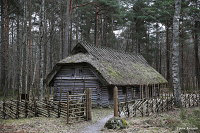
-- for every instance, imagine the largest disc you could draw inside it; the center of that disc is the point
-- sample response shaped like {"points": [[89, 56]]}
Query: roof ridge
{"points": [[112, 54], [105, 47]]}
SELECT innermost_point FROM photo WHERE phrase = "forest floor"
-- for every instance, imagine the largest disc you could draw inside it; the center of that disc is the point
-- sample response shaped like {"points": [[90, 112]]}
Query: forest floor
{"points": [[176, 121], [183, 120], [50, 125]]}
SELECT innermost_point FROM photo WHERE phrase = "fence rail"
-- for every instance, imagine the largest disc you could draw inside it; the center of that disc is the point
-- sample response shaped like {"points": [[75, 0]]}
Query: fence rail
{"points": [[75, 109]]}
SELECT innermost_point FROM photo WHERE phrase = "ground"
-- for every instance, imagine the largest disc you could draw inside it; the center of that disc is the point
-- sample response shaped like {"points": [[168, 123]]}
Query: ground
{"points": [[50, 125], [178, 120], [173, 121]]}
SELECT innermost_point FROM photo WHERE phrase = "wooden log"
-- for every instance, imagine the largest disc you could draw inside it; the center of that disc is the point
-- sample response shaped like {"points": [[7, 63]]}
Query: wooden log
{"points": [[147, 108], [197, 98], [189, 104], [71, 109], [162, 100], [89, 104], [26, 111], [167, 102], [142, 109], [17, 109], [142, 89], [4, 110], [58, 109], [68, 107], [115, 96], [147, 92], [156, 107], [158, 91]]}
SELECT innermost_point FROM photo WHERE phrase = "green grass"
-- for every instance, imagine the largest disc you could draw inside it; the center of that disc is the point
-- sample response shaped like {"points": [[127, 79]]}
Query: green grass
{"points": [[190, 119], [194, 119], [179, 120]]}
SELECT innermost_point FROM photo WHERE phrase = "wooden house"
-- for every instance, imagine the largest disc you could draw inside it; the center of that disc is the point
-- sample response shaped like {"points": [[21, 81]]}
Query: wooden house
{"points": [[100, 69]]}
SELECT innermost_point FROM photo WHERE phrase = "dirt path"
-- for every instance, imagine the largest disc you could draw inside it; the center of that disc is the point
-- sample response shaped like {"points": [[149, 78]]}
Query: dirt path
{"points": [[96, 127]]}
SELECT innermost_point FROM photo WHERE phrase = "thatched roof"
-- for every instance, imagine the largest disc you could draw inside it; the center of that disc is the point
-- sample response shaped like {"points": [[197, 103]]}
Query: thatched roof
{"points": [[115, 67]]}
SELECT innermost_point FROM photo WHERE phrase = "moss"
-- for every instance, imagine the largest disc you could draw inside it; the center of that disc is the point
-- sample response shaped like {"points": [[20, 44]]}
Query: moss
{"points": [[71, 61], [148, 72], [124, 122], [116, 123], [113, 73]]}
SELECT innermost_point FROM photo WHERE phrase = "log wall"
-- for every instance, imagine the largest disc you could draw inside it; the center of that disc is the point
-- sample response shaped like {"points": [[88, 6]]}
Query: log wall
{"points": [[75, 78]]}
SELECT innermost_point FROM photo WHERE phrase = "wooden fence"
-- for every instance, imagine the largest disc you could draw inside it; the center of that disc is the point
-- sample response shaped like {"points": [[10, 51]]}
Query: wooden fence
{"points": [[165, 102], [77, 108]]}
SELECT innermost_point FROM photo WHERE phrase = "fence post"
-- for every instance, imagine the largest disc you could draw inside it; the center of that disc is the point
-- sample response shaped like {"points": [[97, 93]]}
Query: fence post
{"points": [[17, 109], [167, 102], [115, 96], [47, 105], [185, 99], [26, 111], [4, 114], [142, 91], [58, 109], [134, 94], [147, 92], [147, 108], [35, 108], [88, 104], [67, 107], [198, 97]]}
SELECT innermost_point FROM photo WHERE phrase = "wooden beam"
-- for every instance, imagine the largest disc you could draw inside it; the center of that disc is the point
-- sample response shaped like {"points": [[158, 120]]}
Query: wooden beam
{"points": [[68, 107], [88, 104], [115, 96], [147, 92], [142, 91]]}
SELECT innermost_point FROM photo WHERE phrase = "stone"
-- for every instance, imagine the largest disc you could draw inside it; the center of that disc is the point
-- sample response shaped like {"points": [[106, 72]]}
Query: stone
{"points": [[116, 123]]}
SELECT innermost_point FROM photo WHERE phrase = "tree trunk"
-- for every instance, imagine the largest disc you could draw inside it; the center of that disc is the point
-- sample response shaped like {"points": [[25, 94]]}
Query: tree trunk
{"points": [[96, 30], [18, 60], [24, 51], [160, 58], [41, 50], [157, 48], [4, 45], [29, 65], [196, 49], [182, 54], [65, 51], [175, 54], [167, 53]]}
